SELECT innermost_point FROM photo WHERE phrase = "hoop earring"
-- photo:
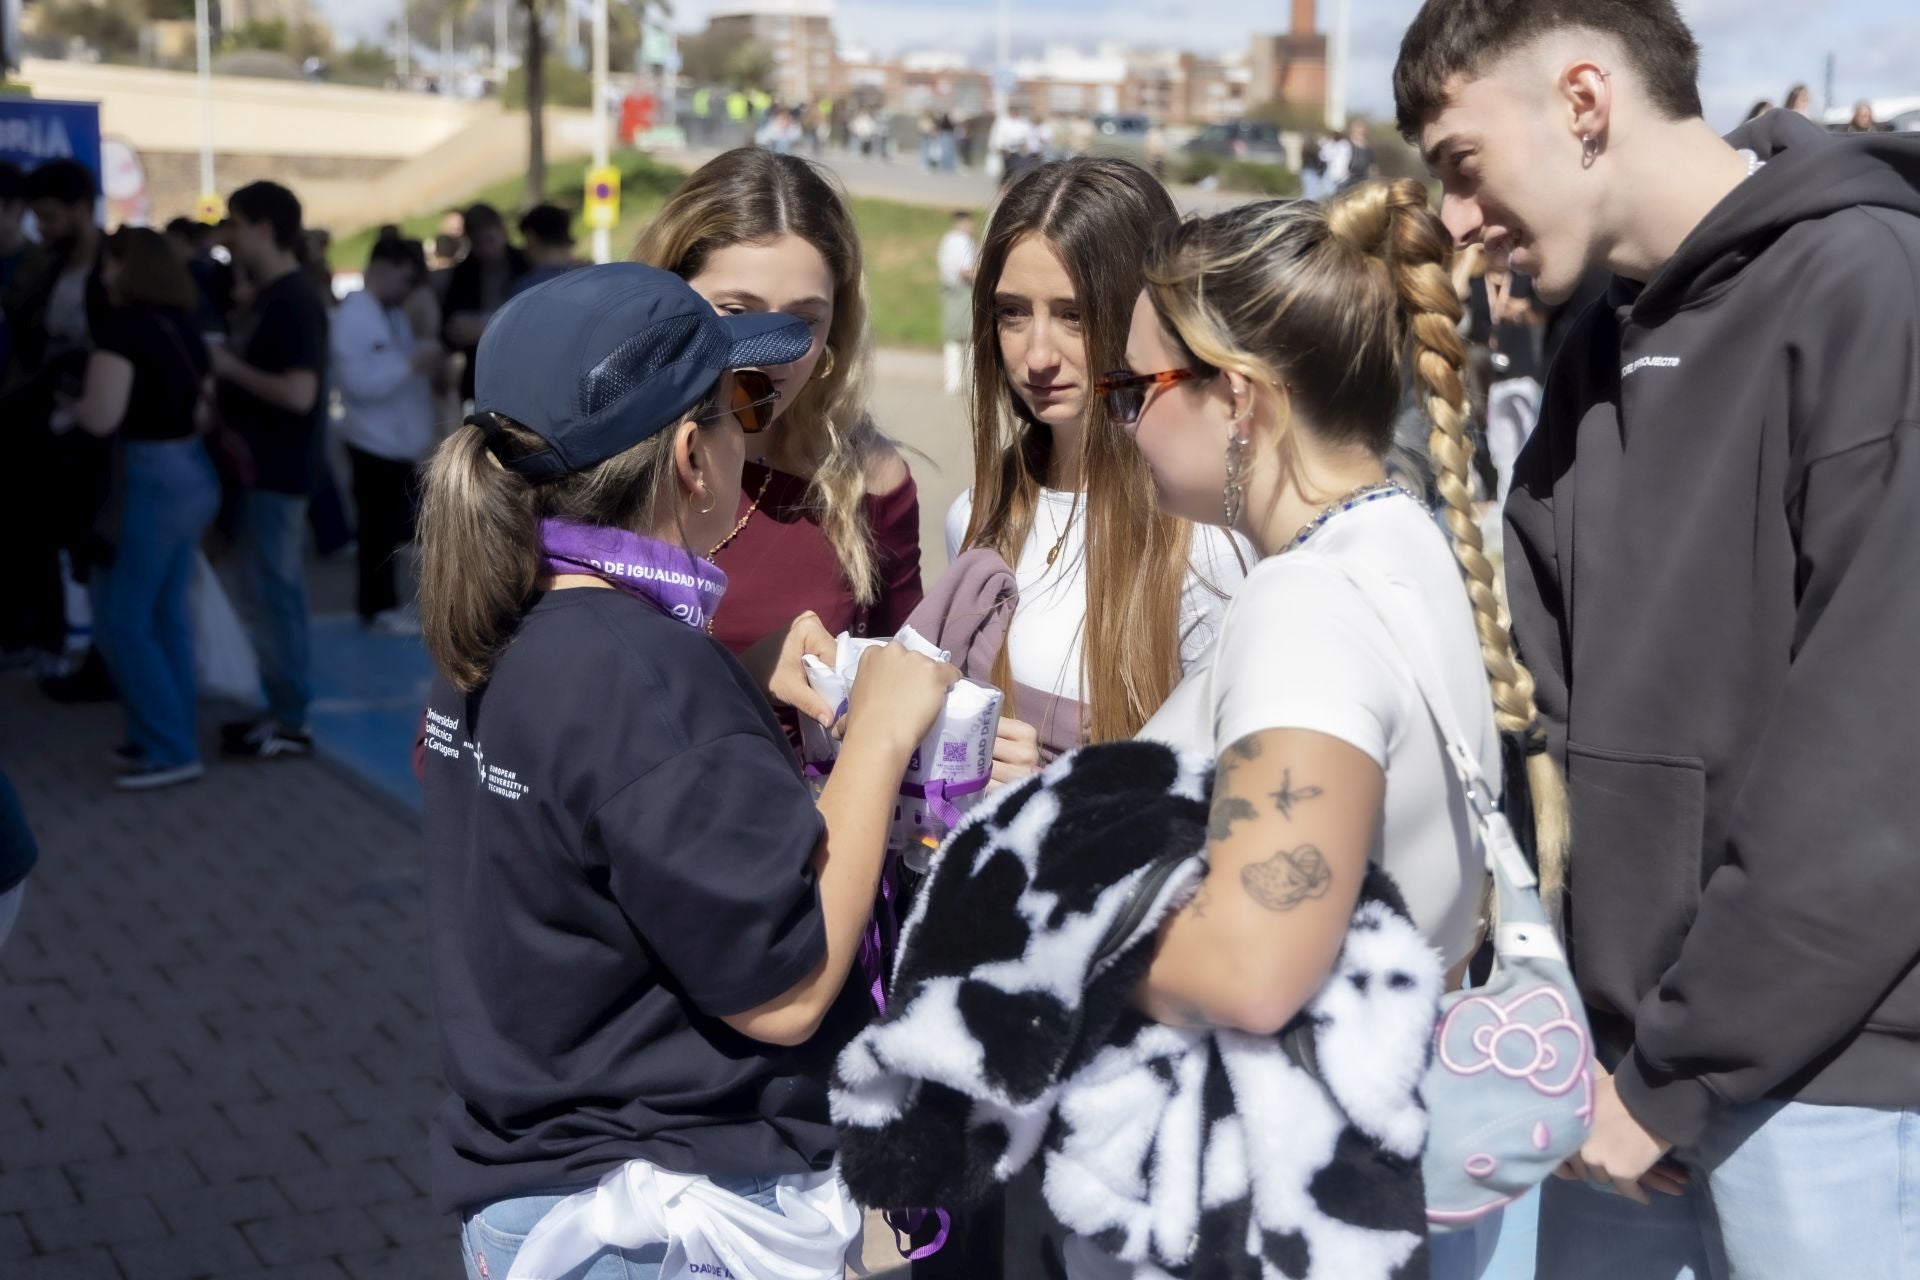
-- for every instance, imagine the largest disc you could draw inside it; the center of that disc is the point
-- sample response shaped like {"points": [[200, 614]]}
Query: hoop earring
{"points": [[1589, 151], [826, 359], [713, 502], [1234, 499]]}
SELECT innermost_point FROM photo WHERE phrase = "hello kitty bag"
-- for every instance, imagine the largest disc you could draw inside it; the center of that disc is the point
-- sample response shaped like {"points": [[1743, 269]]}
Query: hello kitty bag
{"points": [[1509, 1091]]}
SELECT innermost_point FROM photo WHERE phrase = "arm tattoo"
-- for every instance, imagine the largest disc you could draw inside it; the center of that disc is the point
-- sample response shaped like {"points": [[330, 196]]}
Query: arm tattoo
{"points": [[1248, 748], [1198, 904], [1227, 811], [1287, 796], [1288, 878]]}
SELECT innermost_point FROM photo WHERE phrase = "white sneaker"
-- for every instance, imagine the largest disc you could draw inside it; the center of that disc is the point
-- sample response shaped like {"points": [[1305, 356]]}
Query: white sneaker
{"points": [[154, 777], [396, 622]]}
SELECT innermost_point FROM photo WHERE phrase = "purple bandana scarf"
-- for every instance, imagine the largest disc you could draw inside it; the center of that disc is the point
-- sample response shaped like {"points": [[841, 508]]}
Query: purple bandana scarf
{"points": [[670, 578]]}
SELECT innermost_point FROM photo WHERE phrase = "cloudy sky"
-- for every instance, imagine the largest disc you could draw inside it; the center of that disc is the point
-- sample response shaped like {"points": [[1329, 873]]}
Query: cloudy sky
{"points": [[1753, 48]]}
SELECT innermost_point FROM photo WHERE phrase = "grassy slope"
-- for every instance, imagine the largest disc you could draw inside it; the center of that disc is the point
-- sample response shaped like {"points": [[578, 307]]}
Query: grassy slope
{"points": [[900, 240]]}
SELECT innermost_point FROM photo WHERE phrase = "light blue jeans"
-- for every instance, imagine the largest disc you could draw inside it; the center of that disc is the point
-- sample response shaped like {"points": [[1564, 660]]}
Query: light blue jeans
{"points": [[143, 611], [273, 578], [491, 1238], [1780, 1191], [1464, 1254]]}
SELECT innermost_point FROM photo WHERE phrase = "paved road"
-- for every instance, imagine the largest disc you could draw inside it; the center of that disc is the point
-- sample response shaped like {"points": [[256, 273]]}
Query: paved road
{"points": [[905, 181]]}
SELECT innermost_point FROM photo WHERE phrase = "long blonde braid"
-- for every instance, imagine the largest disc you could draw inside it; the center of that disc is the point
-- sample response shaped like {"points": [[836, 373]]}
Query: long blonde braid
{"points": [[1395, 223]]}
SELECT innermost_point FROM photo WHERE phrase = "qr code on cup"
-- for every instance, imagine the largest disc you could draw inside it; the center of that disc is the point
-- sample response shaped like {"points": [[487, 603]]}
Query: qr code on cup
{"points": [[953, 753]]}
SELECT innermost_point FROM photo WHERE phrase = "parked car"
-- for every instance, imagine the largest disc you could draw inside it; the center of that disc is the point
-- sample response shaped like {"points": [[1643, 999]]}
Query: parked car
{"points": [[1116, 127], [1239, 140]]}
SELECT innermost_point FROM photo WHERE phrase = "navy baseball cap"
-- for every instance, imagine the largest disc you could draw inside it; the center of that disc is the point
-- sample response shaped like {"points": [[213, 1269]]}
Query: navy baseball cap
{"points": [[601, 358]]}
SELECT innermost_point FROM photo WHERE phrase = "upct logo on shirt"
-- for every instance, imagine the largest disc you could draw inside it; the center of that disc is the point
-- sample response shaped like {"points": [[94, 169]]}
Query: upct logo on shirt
{"points": [[1650, 362]]}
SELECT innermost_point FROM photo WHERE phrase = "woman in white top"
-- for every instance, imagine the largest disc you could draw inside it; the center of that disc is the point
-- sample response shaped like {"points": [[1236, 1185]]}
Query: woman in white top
{"points": [[1266, 361], [1116, 601]]}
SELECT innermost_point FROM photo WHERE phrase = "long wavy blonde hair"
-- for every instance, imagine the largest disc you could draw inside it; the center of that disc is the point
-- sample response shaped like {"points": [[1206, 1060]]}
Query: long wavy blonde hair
{"points": [[1101, 216], [751, 196], [1326, 300]]}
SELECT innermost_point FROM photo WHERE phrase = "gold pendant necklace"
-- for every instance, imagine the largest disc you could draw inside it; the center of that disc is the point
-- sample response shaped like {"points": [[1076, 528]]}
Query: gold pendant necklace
{"points": [[752, 507]]}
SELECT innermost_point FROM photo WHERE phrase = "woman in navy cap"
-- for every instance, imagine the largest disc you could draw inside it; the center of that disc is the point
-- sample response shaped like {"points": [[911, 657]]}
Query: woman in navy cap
{"points": [[641, 923]]}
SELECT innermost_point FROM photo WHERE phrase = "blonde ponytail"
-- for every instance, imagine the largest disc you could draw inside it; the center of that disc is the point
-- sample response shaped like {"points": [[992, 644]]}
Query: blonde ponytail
{"points": [[1417, 249], [479, 556]]}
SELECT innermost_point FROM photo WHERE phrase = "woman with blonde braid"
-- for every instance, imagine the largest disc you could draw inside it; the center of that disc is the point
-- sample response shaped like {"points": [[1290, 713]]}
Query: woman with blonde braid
{"points": [[1265, 370]]}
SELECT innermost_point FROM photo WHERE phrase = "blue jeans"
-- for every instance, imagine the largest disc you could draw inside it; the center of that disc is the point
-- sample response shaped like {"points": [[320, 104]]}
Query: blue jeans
{"points": [[1780, 1191], [273, 579], [491, 1238], [1464, 1254], [143, 610]]}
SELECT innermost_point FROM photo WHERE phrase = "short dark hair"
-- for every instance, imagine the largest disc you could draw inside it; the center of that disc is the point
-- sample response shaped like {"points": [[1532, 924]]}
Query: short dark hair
{"points": [[13, 181], [67, 181], [547, 224], [1453, 38], [479, 217], [963, 215], [400, 251], [273, 204], [182, 226]]}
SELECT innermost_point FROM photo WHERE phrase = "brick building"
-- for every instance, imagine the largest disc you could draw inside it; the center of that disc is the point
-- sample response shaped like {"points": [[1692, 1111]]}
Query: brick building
{"points": [[1290, 68]]}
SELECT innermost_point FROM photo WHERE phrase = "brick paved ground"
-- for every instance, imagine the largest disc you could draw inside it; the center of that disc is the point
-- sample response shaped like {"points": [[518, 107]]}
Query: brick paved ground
{"points": [[216, 1053]]}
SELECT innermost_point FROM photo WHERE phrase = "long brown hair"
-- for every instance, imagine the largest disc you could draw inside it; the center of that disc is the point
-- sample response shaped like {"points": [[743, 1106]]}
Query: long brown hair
{"points": [[751, 196], [151, 273], [480, 532], [1102, 217], [1324, 300]]}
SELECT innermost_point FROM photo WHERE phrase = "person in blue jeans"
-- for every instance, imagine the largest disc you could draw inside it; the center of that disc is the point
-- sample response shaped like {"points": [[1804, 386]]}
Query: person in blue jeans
{"points": [[142, 386], [1710, 566], [272, 393], [641, 919]]}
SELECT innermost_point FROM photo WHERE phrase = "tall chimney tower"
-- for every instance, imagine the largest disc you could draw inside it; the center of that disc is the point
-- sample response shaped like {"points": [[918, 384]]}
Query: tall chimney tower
{"points": [[1303, 17]]}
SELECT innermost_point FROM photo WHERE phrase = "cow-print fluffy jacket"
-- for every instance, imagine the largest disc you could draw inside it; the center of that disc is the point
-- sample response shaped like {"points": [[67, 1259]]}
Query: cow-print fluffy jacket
{"points": [[1009, 1036]]}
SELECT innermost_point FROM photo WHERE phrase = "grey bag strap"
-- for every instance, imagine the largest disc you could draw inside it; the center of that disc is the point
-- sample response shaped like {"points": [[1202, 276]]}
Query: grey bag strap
{"points": [[1504, 859]]}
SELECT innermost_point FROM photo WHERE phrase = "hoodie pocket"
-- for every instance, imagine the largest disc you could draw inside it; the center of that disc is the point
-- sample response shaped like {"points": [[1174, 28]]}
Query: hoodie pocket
{"points": [[1634, 876]]}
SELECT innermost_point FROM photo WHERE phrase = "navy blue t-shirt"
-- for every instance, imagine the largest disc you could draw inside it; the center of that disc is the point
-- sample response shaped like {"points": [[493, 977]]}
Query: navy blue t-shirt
{"points": [[619, 853]]}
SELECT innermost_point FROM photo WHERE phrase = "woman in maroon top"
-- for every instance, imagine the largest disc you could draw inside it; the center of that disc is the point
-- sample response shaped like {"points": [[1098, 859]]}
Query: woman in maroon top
{"points": [[829, 517]]}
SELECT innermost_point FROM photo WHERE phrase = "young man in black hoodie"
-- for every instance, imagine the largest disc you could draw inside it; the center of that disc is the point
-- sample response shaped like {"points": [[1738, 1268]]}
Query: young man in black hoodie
{"points": [[1713, 558]]}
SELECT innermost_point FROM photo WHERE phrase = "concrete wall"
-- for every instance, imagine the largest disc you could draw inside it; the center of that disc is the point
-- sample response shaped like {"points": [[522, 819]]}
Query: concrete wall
{"points": [[355, 156], [160, 111]]}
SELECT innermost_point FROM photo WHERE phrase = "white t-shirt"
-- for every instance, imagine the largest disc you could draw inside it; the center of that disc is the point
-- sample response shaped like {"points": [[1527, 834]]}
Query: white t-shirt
{"points": [[1300, 648], [957, 257], [386, 408], [1044, 640]]}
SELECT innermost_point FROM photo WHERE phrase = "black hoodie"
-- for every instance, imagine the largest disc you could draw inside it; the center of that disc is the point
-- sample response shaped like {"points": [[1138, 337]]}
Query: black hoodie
{"points": [[1714, 564]]}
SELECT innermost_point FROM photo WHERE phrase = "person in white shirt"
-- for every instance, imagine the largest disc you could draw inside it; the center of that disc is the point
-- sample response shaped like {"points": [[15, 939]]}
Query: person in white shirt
{"points": [[1115, 601], [1265, 378], [384, 376], [958, 256]]}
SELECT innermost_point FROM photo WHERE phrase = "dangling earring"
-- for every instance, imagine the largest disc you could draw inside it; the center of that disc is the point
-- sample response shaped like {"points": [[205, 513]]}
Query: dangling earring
{"points": [[825, 369], [1234, 500], [1589, 151], [712, 502]]}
